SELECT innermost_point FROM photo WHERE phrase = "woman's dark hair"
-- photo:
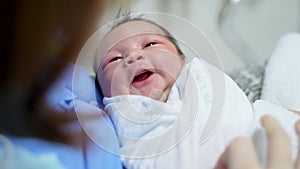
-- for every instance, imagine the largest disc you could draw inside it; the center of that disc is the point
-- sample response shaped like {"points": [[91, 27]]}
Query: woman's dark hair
{"points": [[36, 44]]}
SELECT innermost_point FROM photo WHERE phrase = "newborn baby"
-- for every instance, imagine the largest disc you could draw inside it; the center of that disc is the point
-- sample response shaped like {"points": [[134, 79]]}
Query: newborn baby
{"points": [[168, 113]]}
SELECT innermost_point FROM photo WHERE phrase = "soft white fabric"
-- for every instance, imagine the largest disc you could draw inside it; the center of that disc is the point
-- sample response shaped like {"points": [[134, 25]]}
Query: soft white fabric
{"points": [[139, 118], [287, 120], [143, 124], [282, 83]]}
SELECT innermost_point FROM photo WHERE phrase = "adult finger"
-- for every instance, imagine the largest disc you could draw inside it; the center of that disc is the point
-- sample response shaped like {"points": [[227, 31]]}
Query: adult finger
{"points": [[297, 128], [279, 146], [239, 154]]}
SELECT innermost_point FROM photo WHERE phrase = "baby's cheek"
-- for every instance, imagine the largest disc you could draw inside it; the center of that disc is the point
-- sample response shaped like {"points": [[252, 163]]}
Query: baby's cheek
{"points": [[119, 86], [174, 71], [105, 85], [105, 90], [172, 66]]}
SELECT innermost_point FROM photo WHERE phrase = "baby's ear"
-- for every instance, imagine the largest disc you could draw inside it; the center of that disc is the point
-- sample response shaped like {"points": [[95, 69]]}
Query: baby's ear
{"points": [[182, 58]]}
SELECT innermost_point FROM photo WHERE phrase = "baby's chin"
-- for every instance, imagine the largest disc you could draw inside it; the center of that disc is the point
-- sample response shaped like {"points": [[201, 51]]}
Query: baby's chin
{"points": [[158, 95]]}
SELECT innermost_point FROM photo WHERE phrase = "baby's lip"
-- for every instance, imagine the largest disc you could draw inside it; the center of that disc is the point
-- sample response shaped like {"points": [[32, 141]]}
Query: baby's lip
{"points": [[141, 76]]}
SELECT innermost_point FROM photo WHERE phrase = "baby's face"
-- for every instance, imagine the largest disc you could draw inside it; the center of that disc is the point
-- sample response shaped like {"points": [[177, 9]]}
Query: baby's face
{"points": [[136, 58]]}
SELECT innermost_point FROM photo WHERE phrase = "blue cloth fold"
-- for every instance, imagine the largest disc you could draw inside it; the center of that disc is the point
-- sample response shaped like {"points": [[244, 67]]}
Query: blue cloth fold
{"points": [[72, 87]]}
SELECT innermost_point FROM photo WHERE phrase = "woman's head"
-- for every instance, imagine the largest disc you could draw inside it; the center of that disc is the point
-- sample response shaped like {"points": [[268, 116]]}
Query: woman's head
{"points": [[38, 38], [138, 57]]}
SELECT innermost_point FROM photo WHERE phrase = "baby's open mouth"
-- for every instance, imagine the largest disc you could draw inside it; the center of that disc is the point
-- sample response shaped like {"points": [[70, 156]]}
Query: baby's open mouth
{"points": [[141, 76]]}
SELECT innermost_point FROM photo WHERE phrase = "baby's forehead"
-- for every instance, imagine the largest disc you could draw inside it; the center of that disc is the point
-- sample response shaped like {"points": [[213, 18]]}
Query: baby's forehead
{"points": [[130, 29]]}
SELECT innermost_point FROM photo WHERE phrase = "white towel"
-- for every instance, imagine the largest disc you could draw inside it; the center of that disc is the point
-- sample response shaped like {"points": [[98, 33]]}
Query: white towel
{"points": [[287, 120], [282, 76]]}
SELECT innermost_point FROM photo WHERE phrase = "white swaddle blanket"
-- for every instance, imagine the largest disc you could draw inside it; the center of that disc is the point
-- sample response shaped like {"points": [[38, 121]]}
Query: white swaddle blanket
{"points": [[187, 131]]}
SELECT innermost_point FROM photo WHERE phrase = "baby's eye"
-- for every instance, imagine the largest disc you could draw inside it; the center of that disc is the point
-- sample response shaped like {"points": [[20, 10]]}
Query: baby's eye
{"points": [[150, 44], [116, 58]]}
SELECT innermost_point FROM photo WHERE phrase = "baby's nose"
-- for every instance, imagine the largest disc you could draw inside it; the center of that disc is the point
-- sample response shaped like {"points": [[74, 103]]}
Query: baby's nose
{"points": [[131, 59]]}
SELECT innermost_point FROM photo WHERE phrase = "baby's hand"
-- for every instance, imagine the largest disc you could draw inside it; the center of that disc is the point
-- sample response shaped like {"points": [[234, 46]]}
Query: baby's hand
{"points": [[241, 154]]}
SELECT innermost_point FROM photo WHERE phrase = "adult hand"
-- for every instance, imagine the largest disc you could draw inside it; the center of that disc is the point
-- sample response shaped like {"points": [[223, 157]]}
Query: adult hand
{"points": [[241, 154]]}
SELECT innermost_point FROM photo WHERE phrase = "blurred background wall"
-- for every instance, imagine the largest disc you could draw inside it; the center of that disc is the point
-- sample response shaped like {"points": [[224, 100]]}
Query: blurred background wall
{"points": [[248, 32], [258, 23]]}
